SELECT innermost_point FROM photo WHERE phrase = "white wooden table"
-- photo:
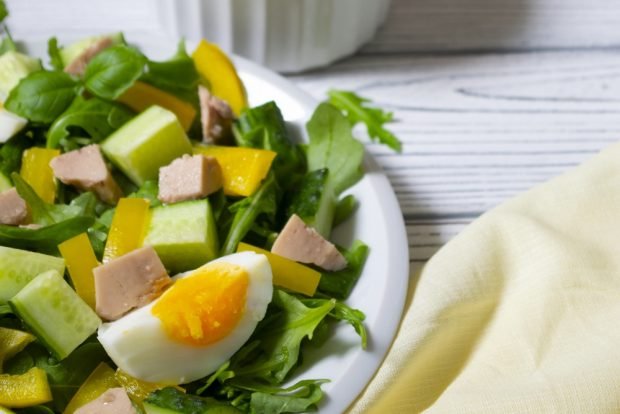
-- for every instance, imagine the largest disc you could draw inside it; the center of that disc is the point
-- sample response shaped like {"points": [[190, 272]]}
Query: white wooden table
{"points": [[491, 96]]}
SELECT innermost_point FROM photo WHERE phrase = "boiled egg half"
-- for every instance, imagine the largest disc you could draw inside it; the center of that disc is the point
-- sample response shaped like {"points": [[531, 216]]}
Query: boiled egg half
{"points": [[196, 325]]}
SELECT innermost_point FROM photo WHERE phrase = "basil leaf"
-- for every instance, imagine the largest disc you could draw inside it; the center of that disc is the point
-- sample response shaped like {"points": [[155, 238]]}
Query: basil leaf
{"points": [[113, 71], [332, 146], [54, 53], [42, 96], [98, 118]]}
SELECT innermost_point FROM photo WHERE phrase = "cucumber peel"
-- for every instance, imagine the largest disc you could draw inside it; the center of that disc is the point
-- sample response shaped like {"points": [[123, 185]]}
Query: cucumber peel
{"points": [[55, 313], [183, 234], [13, 67], [69, 53]]}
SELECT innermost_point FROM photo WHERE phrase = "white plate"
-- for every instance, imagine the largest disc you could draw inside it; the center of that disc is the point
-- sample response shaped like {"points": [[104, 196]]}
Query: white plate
{"points": [[380, 292]]}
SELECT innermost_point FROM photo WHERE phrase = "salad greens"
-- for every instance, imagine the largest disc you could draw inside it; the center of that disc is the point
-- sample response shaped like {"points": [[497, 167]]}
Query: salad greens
{"points": [[67, 112]]}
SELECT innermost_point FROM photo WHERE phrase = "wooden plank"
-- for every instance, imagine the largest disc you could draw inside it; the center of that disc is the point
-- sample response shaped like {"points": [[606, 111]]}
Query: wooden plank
{"points": [[479, 129], [456, 25]]}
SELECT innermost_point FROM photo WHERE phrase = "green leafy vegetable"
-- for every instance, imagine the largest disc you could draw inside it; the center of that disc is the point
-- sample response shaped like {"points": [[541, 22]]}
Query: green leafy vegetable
{"points": [[3, 11], [11, 154], [279, 339], [42, 96], [299, 398], [45, 238], [7, 44], [340, 284], [175, 400], [343, 312], [53, 52], [149, 190], [356, 109], [344, 209], [112, 71], [263, 202], [176, 75], [332, 146], [263, 127], [96, 117]]}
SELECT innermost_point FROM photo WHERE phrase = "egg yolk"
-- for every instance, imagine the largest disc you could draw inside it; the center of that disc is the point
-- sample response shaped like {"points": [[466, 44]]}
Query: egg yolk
{"points": [[205, 306]]}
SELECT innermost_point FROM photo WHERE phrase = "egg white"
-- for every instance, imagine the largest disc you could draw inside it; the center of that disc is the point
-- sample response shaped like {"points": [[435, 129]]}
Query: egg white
{"points": [[138, 344]]}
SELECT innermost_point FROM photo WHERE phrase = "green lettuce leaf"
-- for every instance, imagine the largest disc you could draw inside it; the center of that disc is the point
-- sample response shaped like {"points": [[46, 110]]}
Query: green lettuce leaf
{"points": [[53, 52], [179, 402], [340, 284], [357, 111], [332, 146], [3, 11], [96, 117]]}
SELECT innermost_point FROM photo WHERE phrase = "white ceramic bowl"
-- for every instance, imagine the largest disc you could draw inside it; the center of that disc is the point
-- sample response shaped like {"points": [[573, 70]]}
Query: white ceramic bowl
{"points": [[285, 35]]}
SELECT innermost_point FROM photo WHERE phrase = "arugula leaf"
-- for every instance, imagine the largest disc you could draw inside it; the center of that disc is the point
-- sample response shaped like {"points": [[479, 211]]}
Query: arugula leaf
{"points": [[332, 146], [39, 209], [177, 75], [340, 284], [344, 209], [45, 238], [54, 53], [7, 44], [356, 109], [98, 118], [263, 202], [113, 71], [42, 96], [3, 11], [263, 127], [149, 190], [299, 398], [280, 338], [343, 312], [11, 154], [64, 377], [172, 399]]}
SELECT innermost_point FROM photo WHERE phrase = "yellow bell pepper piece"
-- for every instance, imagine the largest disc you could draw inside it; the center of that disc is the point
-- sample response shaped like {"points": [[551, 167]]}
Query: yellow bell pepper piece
{"points": [[243, 168], [12, 341], [142, 95], [98, 382], [128, 227], [220, 73], [81, 260], [37, 172], [288, 273], [137, 389], [31, 388]]}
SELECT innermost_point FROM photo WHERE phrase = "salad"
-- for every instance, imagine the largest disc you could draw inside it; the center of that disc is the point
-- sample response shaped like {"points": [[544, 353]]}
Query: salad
{"points": [[165, 247]]}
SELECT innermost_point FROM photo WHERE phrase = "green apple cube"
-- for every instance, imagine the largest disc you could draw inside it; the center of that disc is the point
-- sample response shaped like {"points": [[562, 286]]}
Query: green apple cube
{"points": [[55, 313], [18, 267], [149, 141], [183, 234]]}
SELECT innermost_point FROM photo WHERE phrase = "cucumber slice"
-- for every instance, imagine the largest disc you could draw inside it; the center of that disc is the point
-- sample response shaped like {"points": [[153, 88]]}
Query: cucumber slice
{"points": [[19, 267], [183, 234], [13, 67], [69, 53], [55, 313], [149, 141], [10, 124], [315, 201]]}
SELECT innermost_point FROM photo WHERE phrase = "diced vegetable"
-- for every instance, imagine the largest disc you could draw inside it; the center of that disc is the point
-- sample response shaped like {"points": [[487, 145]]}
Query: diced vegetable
{"points": [[19, 267], [37, 172], [243, 169], [183, 234], [315, 202], [149, 141], [220, 74], [10, 125], [12, 341], [31, 388], [128, 227], [100, 380], [69, 53], [81, 260], [55, 313], [287, 273], [13, 67], [141, 95]]}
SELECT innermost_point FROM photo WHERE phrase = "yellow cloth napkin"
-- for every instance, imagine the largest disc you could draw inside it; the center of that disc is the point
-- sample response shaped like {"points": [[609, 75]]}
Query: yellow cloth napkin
{"points": [[520, 313]]}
